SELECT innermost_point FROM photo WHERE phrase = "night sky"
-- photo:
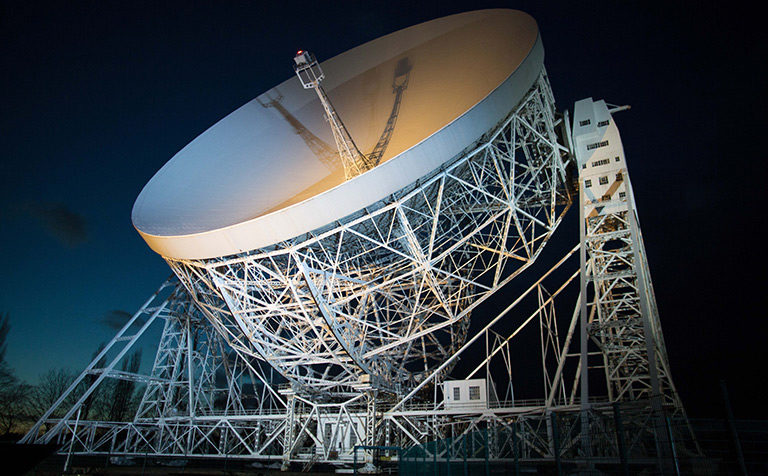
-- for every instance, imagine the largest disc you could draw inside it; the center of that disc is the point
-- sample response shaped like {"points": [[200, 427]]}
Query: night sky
{"points": [[98, 96]]}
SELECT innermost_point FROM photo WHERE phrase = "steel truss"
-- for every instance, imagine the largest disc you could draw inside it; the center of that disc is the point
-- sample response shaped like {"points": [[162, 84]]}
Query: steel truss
{"points": [[311, 76], [204, 399], [623, 310], [385, 295], [344, 337]]}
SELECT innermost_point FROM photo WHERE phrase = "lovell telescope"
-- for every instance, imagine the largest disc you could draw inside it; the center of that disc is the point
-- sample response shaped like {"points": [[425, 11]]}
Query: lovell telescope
{"points": [[330, 247]]}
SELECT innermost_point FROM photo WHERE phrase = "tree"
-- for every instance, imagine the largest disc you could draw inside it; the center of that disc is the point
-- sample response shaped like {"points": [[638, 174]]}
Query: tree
{"points": [[14, 394], [5, 326], [7, 379], [51, 386], [122, 396], [94, 404], [14, 408]]}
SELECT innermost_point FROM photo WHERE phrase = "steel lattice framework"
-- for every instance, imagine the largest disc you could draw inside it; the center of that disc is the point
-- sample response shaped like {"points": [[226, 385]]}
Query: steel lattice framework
{"points": [[623, 297], [311, 76], [366, 319], [620, 314], [386, 295]]}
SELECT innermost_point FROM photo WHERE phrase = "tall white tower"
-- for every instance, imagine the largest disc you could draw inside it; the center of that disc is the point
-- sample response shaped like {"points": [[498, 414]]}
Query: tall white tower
{"points": [[620, 313]]}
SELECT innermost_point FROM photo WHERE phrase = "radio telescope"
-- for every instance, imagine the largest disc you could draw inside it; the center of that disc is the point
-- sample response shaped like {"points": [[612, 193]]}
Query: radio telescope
{"points": [[331, 238], [363, 269]]}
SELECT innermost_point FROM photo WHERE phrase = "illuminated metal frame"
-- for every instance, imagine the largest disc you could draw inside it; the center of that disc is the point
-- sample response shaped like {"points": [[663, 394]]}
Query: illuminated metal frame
{"points": [[384, 296], [212, 394]]}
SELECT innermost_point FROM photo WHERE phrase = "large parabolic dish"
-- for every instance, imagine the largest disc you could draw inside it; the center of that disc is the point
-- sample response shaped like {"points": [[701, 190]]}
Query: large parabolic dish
{"points": [[368, 281]]}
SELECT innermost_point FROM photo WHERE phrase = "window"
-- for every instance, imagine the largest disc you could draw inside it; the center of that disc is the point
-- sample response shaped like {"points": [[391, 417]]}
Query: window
{"points": [[603, 180], [617, 158], [474, 392], [585, 122], [619, 177], [606, 198], [601, 162], [602, 123], [456, 393], [584, 165], [328, 432], [587, 183], [622, 194], [597, 145]]}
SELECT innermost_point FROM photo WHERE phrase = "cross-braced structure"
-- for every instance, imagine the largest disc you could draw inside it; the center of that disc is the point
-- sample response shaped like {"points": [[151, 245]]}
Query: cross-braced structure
{"points": [[385, 296], [349, 336], [623, 319], [311, 75]]}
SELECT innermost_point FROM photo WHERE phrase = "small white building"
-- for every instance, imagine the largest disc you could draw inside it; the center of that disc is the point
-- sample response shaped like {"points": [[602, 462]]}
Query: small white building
{"points": [[465, 394], [339, 433]]}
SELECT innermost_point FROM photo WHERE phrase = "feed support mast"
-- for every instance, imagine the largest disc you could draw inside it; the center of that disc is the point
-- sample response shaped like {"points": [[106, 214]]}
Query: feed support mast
{"points": [[619, 314], [311, 75]]}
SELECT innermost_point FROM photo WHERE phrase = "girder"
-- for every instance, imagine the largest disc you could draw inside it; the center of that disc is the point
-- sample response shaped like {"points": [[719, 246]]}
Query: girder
{"points": [[388, 293], [625, 325], [366, 318], [354, 162]]}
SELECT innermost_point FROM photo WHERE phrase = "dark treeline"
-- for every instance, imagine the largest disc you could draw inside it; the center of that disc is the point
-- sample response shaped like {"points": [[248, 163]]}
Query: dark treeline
{"points": [[22, 404]]}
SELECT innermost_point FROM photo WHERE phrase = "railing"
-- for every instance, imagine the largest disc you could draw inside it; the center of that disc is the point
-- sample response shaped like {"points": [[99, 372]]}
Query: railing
{"points": [[500, 448], [517, 403], [248, 412]]}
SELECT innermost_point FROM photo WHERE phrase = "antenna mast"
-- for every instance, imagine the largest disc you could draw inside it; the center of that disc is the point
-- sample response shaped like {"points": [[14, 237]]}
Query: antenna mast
{"points": [[311, 75]]}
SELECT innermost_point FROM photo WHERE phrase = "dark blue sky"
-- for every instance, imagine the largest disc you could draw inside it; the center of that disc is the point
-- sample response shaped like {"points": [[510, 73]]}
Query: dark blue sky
{"points": [[99, 95]]}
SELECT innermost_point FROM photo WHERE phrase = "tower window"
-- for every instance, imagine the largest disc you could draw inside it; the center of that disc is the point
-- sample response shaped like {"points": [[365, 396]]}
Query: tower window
{"points": [[603, 180], [456, 393], [597, 145], [587, 183], [619, 177], [585, 122]]}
